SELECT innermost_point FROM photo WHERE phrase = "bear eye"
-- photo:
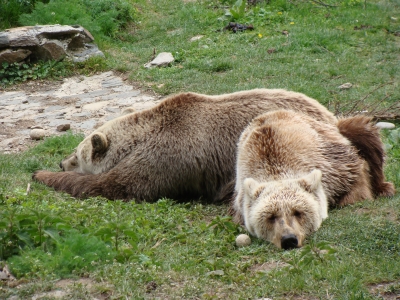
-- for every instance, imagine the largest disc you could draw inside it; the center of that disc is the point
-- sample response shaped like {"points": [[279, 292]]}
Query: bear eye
{"points": [[297, 214], [271, 219]]}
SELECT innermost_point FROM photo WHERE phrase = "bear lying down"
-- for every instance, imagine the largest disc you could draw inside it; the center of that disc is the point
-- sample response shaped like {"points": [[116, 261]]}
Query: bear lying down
{"points": [[185, 147], [291, 167]]}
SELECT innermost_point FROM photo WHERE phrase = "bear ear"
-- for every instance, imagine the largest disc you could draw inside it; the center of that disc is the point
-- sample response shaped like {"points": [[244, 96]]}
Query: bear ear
{"points": [[99, 143], [252, 188], [312, 181]]}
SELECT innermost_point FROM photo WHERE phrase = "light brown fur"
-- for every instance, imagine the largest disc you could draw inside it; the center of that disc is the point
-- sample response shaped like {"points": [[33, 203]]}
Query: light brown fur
{"points": [[279, 192], [185, 147]]}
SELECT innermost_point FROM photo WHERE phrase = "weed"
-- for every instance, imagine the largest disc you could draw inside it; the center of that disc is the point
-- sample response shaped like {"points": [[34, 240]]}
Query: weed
{"points": [[102, 18], [15, 72], [237, 11]]}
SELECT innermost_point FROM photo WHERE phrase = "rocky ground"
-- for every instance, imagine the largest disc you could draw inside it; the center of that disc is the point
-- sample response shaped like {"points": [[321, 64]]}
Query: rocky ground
{"points": [[80, 103]]}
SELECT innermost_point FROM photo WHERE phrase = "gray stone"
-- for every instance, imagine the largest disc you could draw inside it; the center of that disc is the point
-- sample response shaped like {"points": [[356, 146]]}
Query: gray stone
{"points": [[89, 124], [83, 115], [49, 42], [90, 50], [345, 86], [37, 134], [4, 41], [22, 37], [11, 56], [51, 50], [53, 108], [56, 122], [63, 127], [163, 59]]}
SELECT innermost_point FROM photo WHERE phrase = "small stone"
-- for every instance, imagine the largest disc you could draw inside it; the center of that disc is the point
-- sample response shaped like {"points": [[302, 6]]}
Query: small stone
{"points": [[36, 127], [163, 59], [24, 101], [37, 134], [385, 125], [243, 240], [216, 273], [345, 86], [40, 110], [63, 127], [196, 38]]}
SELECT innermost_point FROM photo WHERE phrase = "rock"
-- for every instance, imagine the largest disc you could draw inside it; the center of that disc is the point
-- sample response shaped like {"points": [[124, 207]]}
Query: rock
{"points": [[47, 42], [243, 240], [196, 38], [5, 273], [63, 127], [163, 59], [12, 56], [345, 86], [37, 134], [88, 51], [216, 273], [385, 125], [50, 50]]}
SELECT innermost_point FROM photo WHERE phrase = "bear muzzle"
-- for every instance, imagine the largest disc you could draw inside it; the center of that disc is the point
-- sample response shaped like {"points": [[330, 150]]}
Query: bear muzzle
{"points": [[289, 241], [61, 166]]}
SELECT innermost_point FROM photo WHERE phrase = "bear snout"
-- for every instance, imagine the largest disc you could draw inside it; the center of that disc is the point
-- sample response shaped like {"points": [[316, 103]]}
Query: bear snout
{"points": [[61, 166], [289, 241]]}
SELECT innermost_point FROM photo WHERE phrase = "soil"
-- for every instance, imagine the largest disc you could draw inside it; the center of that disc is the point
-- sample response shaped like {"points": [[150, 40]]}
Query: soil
{"points": [[84, 103]]}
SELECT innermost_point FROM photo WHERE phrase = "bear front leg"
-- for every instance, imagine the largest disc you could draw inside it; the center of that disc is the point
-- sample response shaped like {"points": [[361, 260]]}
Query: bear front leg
{"points": [[75, 184], [80, 185]]}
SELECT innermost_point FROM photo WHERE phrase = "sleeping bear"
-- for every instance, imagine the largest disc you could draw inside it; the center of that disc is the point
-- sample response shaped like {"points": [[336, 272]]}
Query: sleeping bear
{"points": [[183, 148]]}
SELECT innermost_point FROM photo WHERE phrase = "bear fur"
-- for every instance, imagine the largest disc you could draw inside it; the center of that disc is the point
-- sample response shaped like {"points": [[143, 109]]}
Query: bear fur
{"points": [[185, 147], [291, 167]]}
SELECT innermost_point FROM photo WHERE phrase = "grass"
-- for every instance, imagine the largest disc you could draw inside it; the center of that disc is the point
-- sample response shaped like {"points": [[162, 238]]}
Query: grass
{"points": [[175, 250]]}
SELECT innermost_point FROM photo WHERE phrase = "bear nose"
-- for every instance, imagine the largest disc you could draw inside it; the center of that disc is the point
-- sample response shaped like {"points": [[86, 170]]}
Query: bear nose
{"points": [[61, 166], [289, 242]]}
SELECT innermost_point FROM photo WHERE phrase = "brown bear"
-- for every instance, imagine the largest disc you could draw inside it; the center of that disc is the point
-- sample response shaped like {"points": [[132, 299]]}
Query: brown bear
{"points": [[291, 167], [184, 147]]}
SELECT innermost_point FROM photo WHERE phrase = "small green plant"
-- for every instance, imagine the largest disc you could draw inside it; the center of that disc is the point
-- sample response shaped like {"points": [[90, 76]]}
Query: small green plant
{"points": [[75, 254], [102, 18], [116, 232], [11, 73], [224, 226], [12, 235], [238, 10]]}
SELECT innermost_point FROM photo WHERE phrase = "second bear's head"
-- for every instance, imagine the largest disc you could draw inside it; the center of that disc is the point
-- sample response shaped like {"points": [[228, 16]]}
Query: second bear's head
{"points": [[284, 212]]}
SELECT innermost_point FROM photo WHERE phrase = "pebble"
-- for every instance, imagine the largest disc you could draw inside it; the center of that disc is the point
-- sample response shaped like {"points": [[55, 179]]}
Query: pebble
{"points": [[385, 125], [345, 86], [243, 240], [37, 134], [63, 127]]}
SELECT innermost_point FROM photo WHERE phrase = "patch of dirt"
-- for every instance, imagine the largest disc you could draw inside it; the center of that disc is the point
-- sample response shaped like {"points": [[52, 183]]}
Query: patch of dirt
{"points": [[386, 290], [268, 266], [84, 103]]}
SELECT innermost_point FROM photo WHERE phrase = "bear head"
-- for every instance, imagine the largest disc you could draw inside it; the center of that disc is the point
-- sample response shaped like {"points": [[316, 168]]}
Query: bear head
{"points": [[88, 156], [284, 212]]}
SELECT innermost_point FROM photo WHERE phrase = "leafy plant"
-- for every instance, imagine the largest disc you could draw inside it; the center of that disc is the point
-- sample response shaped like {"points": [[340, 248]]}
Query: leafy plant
{"points": [[238, 10], [115, 232], [74, 255], [12, 235], [100, 17], [36, 228], [16, 72], [224, 226]]}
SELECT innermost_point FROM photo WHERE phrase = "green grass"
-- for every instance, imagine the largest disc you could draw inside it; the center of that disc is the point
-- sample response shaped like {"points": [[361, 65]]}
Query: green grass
{"points": [[172, 250], [187, 250]]}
